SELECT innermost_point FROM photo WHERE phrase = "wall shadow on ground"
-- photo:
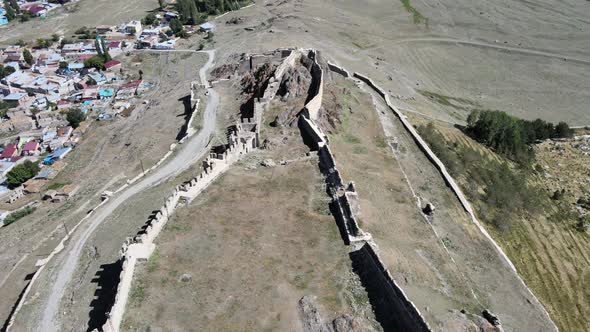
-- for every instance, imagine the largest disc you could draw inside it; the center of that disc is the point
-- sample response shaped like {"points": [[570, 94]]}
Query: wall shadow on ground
{"points": [[188, 113], [107, 280]]}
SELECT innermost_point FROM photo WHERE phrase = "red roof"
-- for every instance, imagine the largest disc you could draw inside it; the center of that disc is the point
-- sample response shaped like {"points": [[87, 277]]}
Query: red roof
{"points": [[63, 102], [114, 44], [35, 9], [15, 159], [63, 131], [133, 84], [31, 146], [9, 151], [112, 63], [85, 56]]}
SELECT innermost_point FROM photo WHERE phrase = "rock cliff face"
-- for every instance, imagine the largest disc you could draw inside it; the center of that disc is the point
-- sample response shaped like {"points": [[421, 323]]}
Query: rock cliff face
{"points": [[295, 83]]}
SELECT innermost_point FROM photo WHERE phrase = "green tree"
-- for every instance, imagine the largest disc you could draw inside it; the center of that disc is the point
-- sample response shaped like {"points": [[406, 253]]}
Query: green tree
{"points": [[162, 4], [63, 65], [21, 173], [90, 81], [94, 62], [55, 37], [14, 5], [176, 26], [105, 51], [25, 16], [75, 116], [10, 13], [28, 57], [149, 19], [563, 130], [98, 48], [43, 43], [5, 71]]}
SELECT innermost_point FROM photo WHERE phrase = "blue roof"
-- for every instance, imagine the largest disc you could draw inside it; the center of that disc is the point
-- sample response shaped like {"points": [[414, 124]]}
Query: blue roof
{"points": [[76, 66], [86, 103], [60, 152], [98, 77], [3, 20], [106, 92]]}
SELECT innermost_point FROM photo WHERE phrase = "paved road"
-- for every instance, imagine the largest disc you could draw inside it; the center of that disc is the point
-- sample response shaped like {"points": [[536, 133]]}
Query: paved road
{"points": [[497, 46], [189, 153]]}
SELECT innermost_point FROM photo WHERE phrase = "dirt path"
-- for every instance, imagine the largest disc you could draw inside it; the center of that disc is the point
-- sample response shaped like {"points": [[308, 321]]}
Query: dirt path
{"points": [[188, 154]]}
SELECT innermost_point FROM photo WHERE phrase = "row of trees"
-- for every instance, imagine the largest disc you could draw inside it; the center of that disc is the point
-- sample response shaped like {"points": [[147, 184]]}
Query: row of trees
{"points": [[196, 11], [103, 55], [510, 136]]}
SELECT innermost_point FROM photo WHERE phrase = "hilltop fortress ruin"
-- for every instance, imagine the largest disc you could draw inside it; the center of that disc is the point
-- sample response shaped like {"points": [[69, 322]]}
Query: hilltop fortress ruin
{"points": [[393, 309]]}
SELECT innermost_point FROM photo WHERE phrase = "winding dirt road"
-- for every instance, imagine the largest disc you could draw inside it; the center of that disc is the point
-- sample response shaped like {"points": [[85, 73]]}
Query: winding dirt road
{"points": [[188, 154]]}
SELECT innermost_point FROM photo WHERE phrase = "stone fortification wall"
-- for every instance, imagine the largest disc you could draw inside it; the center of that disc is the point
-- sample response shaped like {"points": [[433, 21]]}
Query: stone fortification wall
{"points": [[316, 90], [451, 183], [140, 247], [392, 307], [395, 312], [339, 70], [312, 135]]}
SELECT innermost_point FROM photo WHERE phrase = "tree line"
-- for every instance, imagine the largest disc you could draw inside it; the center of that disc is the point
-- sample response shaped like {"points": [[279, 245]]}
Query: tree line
{"points": [[510, 136], [194, 12]]}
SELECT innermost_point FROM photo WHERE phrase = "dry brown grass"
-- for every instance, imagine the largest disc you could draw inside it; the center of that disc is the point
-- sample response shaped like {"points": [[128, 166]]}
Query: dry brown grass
{"points": [[255, 242]]}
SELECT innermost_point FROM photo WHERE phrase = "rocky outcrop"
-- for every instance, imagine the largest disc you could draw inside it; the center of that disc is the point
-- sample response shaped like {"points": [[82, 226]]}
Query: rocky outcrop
{"points": [[295, 83]]}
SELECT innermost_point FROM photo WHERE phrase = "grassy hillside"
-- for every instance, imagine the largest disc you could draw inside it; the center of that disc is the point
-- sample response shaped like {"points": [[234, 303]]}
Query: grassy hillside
{"points": [[537, 232]]}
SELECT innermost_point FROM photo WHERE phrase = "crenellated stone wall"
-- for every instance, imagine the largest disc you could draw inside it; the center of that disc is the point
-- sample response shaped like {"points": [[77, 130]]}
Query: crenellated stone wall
{"points": [[242, 139]]}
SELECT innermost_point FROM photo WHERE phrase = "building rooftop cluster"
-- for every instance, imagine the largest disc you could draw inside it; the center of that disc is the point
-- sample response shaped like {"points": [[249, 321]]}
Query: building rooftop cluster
{"points": [[35, 8]]}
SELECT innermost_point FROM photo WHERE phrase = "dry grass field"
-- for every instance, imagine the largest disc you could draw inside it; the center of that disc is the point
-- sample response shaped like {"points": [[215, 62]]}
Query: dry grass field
{"points": [[443, 264], [66, 20], [254, 243]]}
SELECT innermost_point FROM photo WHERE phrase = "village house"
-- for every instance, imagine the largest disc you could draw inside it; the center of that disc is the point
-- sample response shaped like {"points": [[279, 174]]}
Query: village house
{"points": [[63, 104], [16, 99], [29, 135], [112, 65], [31, 148], [98, 77], [9, 151], [133, 28], [115, 46], [128, 90]]}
